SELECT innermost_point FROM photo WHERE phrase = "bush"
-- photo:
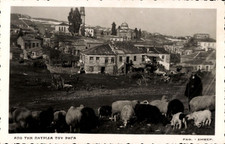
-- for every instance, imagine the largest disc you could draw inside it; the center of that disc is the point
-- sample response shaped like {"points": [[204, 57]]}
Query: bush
{"points": [[39, 64]]}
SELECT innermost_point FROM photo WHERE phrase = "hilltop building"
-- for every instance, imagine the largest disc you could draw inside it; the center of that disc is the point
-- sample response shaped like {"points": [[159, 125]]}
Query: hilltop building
{"points": [[207, 44], [125, 32], [62, 28], [201, 36]]}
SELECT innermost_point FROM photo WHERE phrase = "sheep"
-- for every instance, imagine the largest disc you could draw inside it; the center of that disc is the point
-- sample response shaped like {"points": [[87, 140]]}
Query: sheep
{"points": [[148, 112], [45, 120], [174, 106], [36, 114], [21, 116], [161, 104], [59, 122], [104, 111], [178, 119], [200, 118], [73, 117], [14, 127], [202, 102], [117, 106], [88, 120], [23, 120], [144, 102], [126, 114]]}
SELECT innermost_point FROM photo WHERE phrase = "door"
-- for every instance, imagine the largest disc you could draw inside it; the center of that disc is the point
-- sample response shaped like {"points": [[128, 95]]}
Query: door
{"points": [[102, 70], [128, 59]]}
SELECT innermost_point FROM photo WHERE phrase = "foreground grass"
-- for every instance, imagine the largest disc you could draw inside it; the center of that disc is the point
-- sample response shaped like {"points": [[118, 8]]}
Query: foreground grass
{"points": [[31, 87]]}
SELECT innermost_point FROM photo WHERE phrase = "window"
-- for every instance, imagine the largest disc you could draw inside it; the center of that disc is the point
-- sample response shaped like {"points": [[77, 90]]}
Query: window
{"points": [[33, 45], [37, 44], [91, 59], [163, 57], [112, 59], [143, 57], [120, 59], [26, 45], [135, 58], [91, 68], [106, 60], [97, 58]]}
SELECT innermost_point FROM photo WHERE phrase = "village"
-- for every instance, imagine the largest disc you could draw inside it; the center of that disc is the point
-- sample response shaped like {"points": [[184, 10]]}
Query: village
{"points": [[98, 65]]}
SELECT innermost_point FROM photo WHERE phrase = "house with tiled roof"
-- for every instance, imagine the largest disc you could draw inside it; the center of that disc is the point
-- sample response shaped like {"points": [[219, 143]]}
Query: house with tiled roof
{"points": [[207, 44], [62, 28], [28, 41], [99, 59], [31, 46], [127, 53], [155, 53], [35, 53], [115, 57], [200, 64], [204, 61]]}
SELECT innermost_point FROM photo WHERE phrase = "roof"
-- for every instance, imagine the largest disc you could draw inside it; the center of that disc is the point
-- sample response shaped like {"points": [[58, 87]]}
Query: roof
{"points": [[93, 41], [190, 48], [206, 40], [99, 50], [29, 38], [158, 50], [126, 47], [199, 62], [190, 55], [63, 23], [124, 24], [153, 50], [34, 49]]}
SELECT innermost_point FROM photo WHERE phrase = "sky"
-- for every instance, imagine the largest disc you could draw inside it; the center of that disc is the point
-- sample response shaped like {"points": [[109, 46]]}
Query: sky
{"points": [[175, 22]]}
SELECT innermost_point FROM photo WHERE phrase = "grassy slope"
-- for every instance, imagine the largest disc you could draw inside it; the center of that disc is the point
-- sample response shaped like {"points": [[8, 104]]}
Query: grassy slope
{"points": [[29, 87]]}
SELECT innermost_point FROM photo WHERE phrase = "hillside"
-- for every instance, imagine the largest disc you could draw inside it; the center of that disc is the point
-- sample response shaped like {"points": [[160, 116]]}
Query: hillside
{"points": [[21, 19]]}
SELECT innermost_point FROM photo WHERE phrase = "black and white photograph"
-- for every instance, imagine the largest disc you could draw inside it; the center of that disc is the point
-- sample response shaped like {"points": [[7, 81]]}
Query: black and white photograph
{"points": [[113, 70]]}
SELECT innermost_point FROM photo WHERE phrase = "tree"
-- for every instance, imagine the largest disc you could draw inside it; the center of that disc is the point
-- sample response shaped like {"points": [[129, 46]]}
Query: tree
{"points": [[113, 28], [82, 30], [20, 33], [139, 34], [75, 21], [102, 33], [136, 33]]}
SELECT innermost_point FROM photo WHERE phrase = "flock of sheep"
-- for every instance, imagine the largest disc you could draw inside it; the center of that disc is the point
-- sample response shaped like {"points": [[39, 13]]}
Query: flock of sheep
{"points": [[83, 119]]}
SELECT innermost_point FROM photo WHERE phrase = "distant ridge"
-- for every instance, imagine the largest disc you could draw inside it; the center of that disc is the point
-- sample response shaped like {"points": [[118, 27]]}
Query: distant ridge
{"points": [[48, 19]]}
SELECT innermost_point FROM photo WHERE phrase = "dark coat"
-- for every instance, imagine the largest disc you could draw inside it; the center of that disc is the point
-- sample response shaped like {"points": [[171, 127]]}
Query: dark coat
{"points": [[194, 87]]}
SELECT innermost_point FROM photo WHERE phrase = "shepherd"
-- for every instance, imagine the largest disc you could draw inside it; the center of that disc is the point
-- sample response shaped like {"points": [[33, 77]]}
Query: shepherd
{"points": [[193, 88]]}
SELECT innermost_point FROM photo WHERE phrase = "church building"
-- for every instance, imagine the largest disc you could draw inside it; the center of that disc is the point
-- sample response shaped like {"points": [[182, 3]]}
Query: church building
{"points": [[125, 32]]}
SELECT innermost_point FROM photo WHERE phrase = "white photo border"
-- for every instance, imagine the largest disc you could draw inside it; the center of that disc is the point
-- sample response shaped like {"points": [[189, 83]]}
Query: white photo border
{"points": [[111, 138]]}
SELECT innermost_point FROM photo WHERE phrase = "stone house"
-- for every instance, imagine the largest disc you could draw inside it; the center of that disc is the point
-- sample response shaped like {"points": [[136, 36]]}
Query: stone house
{"points": [[28, 41], [155, 54], [99, 59], [62, 28]]}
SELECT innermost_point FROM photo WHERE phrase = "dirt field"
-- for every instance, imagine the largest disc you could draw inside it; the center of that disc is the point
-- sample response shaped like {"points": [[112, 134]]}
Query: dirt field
{"points": [[31, 87]]}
